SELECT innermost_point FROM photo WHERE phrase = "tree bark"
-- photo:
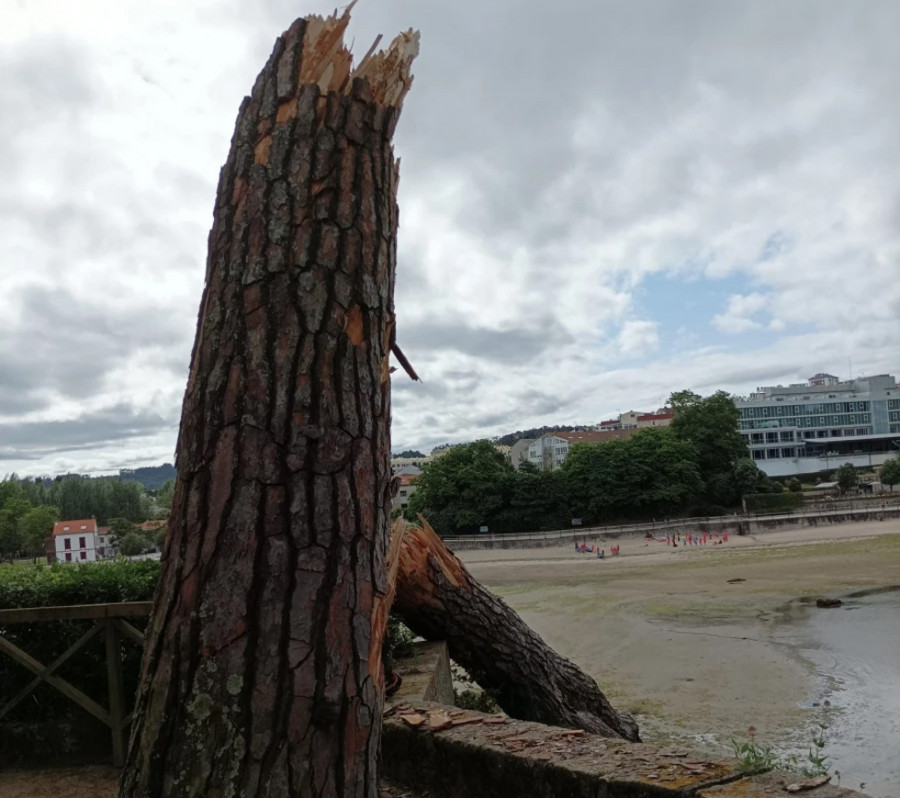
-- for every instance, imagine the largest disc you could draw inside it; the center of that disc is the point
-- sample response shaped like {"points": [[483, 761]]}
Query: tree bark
{"points": [[439, 599], [261, 672]]}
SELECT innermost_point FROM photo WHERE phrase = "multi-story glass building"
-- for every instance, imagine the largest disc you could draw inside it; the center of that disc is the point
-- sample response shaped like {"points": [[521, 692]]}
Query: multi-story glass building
{"points": [[822, 424]]}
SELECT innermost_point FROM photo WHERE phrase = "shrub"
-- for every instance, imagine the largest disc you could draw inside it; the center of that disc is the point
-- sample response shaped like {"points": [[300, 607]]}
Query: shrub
{"points": [[773, 502], [398, 642]]}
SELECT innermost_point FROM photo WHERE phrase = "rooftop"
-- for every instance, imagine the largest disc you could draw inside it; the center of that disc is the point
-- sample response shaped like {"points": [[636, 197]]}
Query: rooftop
{"points": [[74, 527], [594, 436]]}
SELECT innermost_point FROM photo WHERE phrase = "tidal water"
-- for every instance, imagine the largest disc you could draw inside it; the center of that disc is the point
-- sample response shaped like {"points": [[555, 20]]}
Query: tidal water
{"points": [[855, 651]]}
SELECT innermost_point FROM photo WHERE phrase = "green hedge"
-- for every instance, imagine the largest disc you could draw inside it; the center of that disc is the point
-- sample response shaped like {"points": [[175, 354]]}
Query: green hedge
{"points": [[773, 502], [59, 585]]}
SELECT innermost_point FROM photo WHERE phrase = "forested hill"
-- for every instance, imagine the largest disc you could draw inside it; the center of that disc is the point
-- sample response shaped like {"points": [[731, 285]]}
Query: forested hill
{"points": [[151, 477]]}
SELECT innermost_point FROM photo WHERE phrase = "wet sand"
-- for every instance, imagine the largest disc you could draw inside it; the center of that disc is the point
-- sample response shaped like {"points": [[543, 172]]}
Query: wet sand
{"points": [[670, 639]]}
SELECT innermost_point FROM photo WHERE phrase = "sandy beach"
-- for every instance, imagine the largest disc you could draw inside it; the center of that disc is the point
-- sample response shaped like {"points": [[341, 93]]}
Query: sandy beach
{"points": [[669, 638]]}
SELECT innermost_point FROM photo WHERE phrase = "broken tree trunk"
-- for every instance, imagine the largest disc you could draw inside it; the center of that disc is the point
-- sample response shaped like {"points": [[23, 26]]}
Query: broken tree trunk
{"points": [[438, 598], [261, 672]]}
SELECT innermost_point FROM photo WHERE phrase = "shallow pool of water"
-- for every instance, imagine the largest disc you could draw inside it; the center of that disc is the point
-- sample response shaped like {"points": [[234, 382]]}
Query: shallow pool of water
{"points": [[855, 651]]}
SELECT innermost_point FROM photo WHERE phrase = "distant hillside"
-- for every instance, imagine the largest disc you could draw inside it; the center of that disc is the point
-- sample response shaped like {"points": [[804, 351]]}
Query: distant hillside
{"points": [[151, 477]]}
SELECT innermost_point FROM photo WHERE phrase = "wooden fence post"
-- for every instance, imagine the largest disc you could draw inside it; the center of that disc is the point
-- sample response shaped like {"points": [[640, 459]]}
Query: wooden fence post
{"points": [[116, 691]]}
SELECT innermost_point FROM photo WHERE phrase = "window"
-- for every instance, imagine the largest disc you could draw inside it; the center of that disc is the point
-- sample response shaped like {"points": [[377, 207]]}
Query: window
{"points": [[84, 555], [82, 543], [787, 436], [773, 454], [788, 452], [67, 544], [84, 526], [403, 493], [65, 529], [68, 556], [771, 437]]}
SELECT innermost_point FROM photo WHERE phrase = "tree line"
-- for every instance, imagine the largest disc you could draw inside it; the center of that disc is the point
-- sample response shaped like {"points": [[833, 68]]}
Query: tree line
{"points": [[30, 507], [698, 465]]}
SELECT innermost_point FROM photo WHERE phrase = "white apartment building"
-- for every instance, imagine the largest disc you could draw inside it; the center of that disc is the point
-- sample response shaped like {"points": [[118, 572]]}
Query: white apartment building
{"points": [[75, 541], [822, 424], [549, 451]]}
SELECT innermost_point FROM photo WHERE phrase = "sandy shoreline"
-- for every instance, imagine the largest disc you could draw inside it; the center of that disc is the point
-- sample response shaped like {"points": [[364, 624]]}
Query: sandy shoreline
{"points": [[670, 639]]}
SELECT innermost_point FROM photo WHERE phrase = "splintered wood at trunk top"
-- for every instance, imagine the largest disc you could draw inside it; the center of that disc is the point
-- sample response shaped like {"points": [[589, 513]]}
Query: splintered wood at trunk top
{"points": [[261, 674], [439, 599]]}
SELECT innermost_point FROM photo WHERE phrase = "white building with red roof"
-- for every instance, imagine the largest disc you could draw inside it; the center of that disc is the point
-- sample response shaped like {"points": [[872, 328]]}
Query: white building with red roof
{"points": [[75, 541]]}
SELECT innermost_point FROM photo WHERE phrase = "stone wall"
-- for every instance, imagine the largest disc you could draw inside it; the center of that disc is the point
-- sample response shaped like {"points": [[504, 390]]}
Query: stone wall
{"points": [[453, 753], [737, 525]]}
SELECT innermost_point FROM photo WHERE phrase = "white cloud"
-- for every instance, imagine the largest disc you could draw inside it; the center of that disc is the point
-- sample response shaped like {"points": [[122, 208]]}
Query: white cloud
{"points": [[746, 142], [738, 316], [638, 337]]}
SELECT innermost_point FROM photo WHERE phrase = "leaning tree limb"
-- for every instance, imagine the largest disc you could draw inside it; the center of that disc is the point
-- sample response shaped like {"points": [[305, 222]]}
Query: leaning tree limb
{"points": [[440, 600], [262, 669]]}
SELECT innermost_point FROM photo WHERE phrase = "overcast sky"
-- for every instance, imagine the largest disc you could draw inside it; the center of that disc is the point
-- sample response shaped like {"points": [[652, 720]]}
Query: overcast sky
{"points": [[600, 203]]}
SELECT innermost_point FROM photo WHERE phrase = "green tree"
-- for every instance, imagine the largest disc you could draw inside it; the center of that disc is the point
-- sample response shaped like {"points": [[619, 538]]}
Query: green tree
{"points": [[846, 477], [164, 497], [13, 505], [132, 544], [121, 527], [410, 453], [463, 489], [711, 425], [35, 527], [537, 500], [651, 473], [10, 542], [889, 473], [794, 485], [748, 478]]}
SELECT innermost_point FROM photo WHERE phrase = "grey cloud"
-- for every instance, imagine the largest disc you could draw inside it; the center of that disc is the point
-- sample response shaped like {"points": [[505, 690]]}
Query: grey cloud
{"points": [[536, 403], [68, 346], [120, 423], [513, 346], [557, 130], [627, 72], [46, 82]]}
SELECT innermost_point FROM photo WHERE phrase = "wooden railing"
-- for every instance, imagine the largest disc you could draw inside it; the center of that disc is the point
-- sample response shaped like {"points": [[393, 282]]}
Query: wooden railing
{"points": [[109, 619]]}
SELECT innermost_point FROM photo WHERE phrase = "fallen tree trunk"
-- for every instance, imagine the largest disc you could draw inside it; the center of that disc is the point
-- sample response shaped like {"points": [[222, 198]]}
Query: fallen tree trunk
{"points": [[438, 598]]}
